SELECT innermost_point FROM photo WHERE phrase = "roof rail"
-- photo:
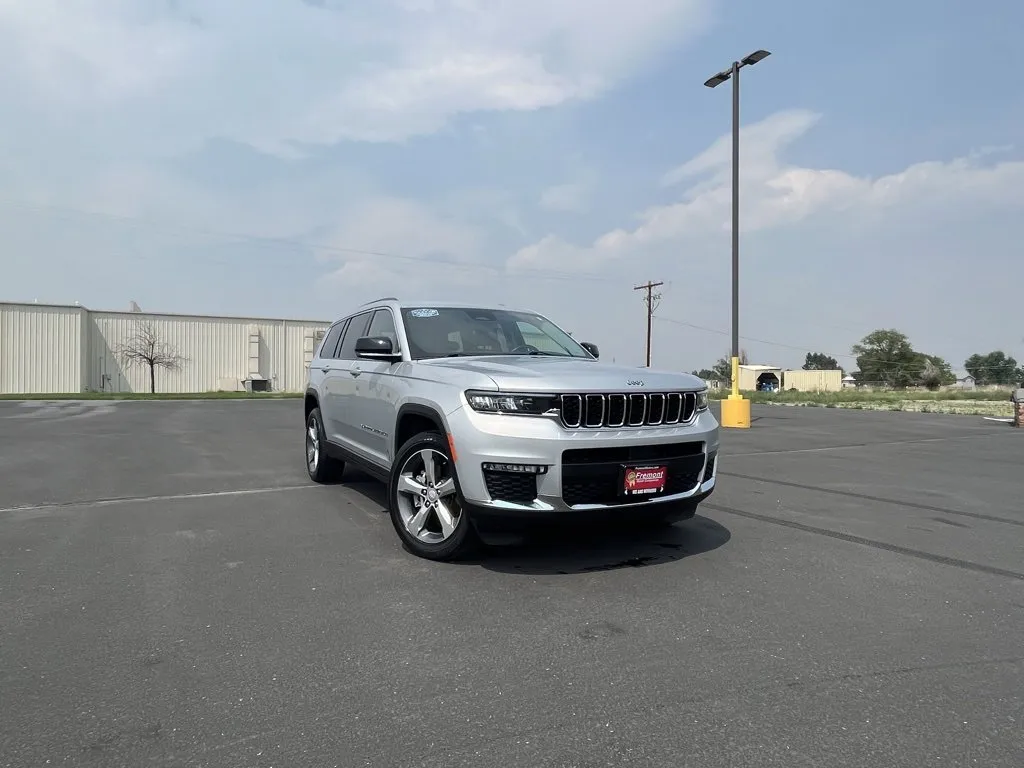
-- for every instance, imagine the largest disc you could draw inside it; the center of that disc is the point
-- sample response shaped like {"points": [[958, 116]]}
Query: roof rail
{"points": [[377, 301]]}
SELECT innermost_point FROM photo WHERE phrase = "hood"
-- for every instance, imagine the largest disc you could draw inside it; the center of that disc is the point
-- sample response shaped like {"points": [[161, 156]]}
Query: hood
{"points": [[536, 373]]}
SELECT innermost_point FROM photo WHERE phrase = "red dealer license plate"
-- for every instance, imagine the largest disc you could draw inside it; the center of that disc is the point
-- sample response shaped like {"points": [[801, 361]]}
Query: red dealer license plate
{"points": [[644, 481]]}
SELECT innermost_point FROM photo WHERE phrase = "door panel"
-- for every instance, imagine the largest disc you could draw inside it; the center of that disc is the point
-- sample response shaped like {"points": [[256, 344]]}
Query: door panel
{"points": [[321, 370], [375, 398], [337, 393], [376, 394], [344, 382]]}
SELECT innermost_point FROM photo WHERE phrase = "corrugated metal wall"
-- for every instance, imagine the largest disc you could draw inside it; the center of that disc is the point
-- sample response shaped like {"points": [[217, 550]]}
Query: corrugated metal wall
{"points": [[813, 381], [41, 349], [82, 351], [219, 353]]}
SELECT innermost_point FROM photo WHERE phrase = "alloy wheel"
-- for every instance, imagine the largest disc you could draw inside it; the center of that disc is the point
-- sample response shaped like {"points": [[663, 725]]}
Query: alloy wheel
{"points": [[312, 447], [428, 504]]}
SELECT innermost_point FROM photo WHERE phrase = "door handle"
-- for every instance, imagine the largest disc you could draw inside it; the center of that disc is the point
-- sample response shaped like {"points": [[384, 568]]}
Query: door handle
{"points": [[326, 369], [355, 371]]}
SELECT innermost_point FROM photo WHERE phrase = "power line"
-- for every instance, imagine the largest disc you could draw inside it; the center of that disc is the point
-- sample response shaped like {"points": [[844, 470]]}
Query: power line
{"points": [[531, 273], [801, 349], [649, 299]]}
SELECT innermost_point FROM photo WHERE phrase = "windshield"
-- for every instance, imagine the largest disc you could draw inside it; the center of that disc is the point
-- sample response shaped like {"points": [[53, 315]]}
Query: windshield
{"points": [[466, 331]]}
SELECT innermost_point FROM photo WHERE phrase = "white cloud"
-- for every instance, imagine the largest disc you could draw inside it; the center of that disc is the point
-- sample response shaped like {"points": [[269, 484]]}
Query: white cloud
{"points": [[393, 225], [826, 255], [106, 103], [392, 246], [776, 195], [274, 72], [571, 198]]}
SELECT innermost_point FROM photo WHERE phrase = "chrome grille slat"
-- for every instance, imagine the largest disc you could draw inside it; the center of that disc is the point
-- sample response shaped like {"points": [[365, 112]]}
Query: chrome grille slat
{"points": [[568, 403], [673, 407], [591, 410], [614, 401], [689, 406], [637, 402], [656, 414], [596, 410]]}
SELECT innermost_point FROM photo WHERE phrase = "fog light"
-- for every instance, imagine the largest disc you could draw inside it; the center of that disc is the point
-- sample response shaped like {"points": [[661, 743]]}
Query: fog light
{"points": [[526, 469]]}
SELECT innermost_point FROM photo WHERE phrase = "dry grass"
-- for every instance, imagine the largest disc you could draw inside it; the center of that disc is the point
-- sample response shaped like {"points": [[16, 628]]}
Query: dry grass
{"points": [[959, 407], [973, 403]]}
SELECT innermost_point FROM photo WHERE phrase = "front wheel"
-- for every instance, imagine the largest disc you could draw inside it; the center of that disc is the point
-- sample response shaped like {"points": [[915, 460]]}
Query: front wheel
{"points": [[425, 501]]}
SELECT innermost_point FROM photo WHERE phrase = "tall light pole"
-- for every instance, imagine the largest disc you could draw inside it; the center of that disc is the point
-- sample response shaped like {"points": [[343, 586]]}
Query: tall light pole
{"points": [[735, 409]]}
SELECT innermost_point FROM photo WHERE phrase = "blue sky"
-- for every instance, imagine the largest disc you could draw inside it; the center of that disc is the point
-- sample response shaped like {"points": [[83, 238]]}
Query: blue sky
{"points": [[247, 156]]}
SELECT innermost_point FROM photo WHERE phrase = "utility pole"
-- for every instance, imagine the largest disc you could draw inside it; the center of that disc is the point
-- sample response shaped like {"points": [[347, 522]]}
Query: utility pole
{"points": [[649, 299]]}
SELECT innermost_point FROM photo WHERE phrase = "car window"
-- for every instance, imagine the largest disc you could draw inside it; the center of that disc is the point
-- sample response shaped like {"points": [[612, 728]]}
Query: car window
{"points": [[330, 343], [383, 324], [535, 337], [356, 329], [441, 331]]}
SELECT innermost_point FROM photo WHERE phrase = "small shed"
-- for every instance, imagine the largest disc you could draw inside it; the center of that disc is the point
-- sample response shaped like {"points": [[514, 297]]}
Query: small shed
{"points": [[760, 378], [849, 382]]}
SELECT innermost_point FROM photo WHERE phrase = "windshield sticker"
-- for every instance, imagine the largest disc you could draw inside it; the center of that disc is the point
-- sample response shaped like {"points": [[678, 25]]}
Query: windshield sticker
{"points": [[424, 313]]}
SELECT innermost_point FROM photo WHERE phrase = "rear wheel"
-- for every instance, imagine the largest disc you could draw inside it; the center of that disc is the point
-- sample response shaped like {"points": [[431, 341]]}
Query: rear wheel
{"points": [[425, 501], [321, 467]]}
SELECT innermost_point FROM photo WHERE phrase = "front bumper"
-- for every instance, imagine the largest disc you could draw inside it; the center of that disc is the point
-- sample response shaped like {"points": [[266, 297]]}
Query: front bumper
{"points": [[581, 467]]}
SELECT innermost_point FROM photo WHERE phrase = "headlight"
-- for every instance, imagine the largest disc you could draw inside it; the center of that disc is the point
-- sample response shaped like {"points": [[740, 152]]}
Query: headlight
{"points": [[499, 402], [702, 401]]}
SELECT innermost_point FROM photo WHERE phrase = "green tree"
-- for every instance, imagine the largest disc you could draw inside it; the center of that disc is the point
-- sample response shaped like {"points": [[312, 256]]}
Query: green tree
{"points": [[886, 357], [819, 361], [706, 373], [933, 371], [723, 368], [993, 368]]}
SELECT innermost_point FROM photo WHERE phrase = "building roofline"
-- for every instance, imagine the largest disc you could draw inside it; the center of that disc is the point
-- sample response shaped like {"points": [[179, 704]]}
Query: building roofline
{"points": [[82, 307], [42, 305]]}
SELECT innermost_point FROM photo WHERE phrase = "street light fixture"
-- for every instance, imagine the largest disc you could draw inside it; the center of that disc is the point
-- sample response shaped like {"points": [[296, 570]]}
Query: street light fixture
{"points": [[735, 409]]}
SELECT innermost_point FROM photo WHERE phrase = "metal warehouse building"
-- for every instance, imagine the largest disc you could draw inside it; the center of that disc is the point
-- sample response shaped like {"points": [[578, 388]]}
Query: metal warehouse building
{"points": [[65, 349]]}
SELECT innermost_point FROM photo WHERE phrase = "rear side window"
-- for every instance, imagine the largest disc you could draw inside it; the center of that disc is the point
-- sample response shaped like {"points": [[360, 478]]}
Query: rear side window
{"points": [[331, 341], [356, 330]]}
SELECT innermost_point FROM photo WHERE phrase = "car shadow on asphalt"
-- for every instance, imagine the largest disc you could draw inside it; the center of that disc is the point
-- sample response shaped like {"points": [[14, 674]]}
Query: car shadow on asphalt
{"points": [[566, 551]]}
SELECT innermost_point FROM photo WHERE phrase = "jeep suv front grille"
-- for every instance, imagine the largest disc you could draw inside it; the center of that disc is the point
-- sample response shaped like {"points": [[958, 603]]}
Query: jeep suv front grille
{"points": [[632, 409]]}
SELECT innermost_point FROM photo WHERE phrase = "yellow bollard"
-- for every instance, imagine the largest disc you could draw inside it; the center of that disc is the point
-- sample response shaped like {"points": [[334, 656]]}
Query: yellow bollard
{"points": [[736, 408]]}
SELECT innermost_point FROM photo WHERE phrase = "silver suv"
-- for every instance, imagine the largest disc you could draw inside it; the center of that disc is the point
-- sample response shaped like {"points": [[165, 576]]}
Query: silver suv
{"points": [[481, 420]]}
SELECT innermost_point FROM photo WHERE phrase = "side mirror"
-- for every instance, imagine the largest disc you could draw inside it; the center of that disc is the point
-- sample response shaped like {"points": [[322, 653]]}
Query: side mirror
{"points": [[376, 348], [591, 348]]}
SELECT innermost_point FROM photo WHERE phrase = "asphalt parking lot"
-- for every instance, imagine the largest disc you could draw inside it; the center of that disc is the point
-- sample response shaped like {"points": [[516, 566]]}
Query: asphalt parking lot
{"points": [[175, 592]]}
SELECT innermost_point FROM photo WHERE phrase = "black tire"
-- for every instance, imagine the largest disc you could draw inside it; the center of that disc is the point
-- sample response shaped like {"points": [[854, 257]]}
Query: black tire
{"points": [[324, 469], [462, 540]]}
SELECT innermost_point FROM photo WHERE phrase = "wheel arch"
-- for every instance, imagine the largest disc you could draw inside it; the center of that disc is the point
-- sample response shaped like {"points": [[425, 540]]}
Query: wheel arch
{"points": [[414, 418], [311, 401]]}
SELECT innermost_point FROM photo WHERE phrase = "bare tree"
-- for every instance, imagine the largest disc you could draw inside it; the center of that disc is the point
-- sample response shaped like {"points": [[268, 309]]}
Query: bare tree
{"points": [[145, 347]]}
